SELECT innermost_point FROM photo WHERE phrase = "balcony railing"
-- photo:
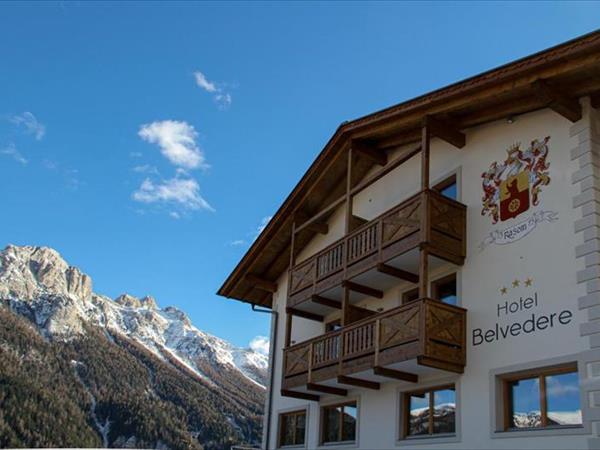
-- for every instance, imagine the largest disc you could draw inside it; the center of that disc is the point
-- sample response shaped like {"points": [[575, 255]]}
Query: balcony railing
{"points": [[428, 218], [429, 331]]}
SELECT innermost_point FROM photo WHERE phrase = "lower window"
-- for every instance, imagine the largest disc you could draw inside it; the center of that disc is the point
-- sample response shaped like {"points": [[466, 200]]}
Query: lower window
{"points": [[292, 428], [338, 423], [429, 412], [544, 398]]}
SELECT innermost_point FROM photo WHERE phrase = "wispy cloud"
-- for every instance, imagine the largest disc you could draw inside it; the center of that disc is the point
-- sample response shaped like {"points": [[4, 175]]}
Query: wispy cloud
{"points": [[30, 123], [203, 82], [260, 344], [253, 234], [184, 192], [221, 97], [175, 215], [177, 142], [146, 168], [135, 154], [11, 151]]}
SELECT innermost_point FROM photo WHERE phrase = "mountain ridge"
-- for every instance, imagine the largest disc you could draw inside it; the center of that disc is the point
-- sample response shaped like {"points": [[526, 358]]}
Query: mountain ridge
{"points": [[140, 375]]}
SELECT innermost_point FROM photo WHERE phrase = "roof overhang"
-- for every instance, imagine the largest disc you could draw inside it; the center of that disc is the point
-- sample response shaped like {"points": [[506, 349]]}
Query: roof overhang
{"points": [[570, 70]]}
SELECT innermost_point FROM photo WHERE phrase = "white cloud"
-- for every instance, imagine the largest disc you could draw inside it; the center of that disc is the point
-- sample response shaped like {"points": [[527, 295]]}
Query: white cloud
{"points": [[177, 142], [175, 215], [31, 124], [237, 243], [184, 192], [146, 168], [221, 97], [260, 344], [12, 151], [202, 81], [263, 224]]}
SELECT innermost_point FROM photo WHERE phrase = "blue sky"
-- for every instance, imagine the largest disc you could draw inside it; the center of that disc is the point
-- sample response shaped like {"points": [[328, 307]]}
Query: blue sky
{"points": [[148, 142]]}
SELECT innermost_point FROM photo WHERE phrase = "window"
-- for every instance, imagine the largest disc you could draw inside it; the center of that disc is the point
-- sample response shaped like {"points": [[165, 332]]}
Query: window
{"points": [[338, 423], [447, 188], [429, 412], [444, 289], [546, 398], [410, 296], [334, 325], [292, 428]]}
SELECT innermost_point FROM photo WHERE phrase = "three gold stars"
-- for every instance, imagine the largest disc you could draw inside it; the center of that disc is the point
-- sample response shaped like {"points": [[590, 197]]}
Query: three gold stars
{"points": [[516, 283]]}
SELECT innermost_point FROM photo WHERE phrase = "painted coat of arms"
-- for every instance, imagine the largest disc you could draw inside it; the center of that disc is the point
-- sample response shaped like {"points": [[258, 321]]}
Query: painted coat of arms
{"points": [[511, 187]]}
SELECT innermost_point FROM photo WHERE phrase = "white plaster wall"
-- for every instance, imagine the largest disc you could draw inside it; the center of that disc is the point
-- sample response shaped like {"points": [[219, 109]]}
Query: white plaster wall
{"points": [[546, 255]]}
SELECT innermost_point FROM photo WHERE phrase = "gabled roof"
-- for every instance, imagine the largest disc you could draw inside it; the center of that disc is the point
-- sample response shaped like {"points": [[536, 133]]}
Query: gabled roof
{"points": [[571, 69]]}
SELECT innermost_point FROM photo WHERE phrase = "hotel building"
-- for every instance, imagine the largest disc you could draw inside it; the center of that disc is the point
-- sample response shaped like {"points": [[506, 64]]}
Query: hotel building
{"points": [[434, 278]]}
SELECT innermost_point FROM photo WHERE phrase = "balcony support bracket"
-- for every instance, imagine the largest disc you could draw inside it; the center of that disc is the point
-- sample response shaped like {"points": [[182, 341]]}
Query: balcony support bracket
{"points": [[300, 395], [372, 292], [326, 389], [396, 374], [352, 381], [261, 283], [398, 273], [305, 314], [445, 131], [326, 302], [556, 100]]}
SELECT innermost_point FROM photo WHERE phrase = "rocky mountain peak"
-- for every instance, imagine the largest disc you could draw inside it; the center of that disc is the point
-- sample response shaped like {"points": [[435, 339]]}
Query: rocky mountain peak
{"points": [[28, 272], [135, 302], [37, 282]]}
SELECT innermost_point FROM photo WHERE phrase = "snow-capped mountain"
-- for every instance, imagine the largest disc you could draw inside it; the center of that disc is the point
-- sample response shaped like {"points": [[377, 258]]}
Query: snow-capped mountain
{"points": [[37, 282]]}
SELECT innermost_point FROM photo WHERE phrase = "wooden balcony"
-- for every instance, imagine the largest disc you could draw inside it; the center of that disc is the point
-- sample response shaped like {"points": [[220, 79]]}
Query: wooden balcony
{"points": [[401, 343], [426, 220]]}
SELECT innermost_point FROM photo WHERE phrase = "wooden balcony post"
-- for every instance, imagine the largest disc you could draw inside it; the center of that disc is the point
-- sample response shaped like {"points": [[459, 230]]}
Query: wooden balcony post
{"points": [[348, 226], [288, 329], [424, 273], [425, 141]]}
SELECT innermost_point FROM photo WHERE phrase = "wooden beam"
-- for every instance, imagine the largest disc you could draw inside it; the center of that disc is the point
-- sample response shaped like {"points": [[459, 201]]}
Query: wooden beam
{"points": [[372, 292], [557, 101], [398, 273], [396, 374], [442, 365], [443, 130], [387, 169], [352, 381], [304, 314], [261, 283], [326, 389], [328, 209], [300, 395], [311, 225], [376, 155], [326, 302]]}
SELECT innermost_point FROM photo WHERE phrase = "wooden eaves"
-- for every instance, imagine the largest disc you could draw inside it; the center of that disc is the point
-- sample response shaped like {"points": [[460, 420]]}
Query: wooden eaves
{"points": [[554, 78]]}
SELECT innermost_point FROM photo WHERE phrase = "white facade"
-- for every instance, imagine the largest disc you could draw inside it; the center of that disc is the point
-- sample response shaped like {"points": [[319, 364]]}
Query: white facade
{"points": [[549, 253]]}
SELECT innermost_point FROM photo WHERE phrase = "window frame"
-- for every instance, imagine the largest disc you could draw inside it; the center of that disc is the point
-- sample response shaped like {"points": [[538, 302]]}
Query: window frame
{"points": [[541, 374], [433, 289], [405, 413], [446, 183], [280, 428], [435, 286], [322, 430]]}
